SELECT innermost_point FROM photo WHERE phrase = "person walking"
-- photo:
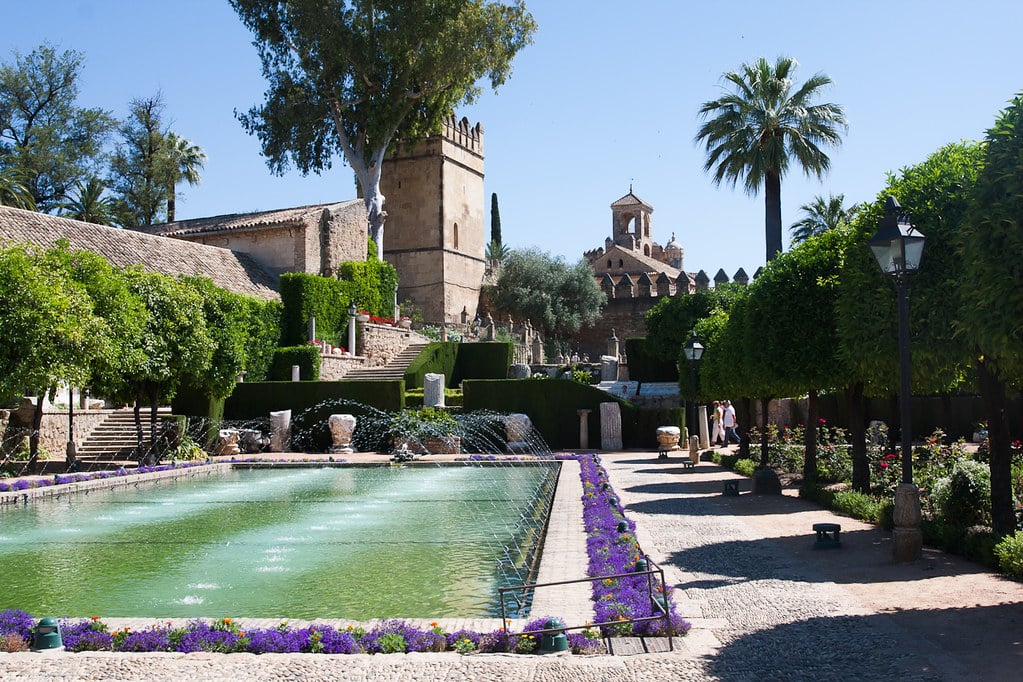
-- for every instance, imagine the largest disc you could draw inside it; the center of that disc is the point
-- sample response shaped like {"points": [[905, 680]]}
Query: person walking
{"points": [[729, 422], [717, 433]]}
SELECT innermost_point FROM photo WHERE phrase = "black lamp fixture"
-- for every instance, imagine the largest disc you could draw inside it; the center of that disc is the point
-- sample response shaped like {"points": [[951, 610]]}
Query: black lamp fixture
{"points": [[693, 350], [898, 247]]}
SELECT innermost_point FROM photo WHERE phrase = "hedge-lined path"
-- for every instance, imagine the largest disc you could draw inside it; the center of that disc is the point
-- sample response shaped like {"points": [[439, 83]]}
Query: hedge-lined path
{"points": [[764, 604]]}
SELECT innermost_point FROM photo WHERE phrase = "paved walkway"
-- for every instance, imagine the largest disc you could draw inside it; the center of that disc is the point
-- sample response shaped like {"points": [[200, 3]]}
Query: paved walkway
{"points": [[765, 606]]}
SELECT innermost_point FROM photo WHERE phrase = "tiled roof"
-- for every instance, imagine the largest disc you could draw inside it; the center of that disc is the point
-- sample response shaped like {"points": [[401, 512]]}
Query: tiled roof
{"points": [[235, 272], [631, 199], [242, 221]]}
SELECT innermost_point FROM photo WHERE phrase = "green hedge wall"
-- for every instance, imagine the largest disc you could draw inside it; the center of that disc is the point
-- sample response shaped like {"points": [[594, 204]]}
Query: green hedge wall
{"points": [[645, 367], [486, 360], [306, 356], [258, 400], [369, 284], [552, 406], [439, 357]]}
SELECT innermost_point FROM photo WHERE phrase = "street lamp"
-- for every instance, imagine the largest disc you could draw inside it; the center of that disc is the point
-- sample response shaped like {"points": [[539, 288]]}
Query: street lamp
{"points": [[693, 351], [352, 311], [898, 247]]}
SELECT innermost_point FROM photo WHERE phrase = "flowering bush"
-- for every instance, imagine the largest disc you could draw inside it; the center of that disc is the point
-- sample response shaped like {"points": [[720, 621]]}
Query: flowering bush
{"points": [[16, 622]]}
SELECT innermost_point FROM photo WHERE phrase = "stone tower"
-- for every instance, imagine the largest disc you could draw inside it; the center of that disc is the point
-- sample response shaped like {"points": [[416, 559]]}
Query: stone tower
{"points": [[630, 224], [435, 234]]}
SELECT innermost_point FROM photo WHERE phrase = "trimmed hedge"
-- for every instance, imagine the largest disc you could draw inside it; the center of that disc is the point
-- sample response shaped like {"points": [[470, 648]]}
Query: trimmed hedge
{"points": [[553, 404], [306, 356], [192, 403], [369, 284], [439, 357], [645, 367], [258, 399], [485, 360]]}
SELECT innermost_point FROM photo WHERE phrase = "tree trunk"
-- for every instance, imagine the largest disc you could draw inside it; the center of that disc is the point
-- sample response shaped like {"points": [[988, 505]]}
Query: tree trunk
{"points": [[33, 437], [170, 203], [747, 419], [137, 411], [858, 435], [772, 210], [153, 399], [810, 458], [764, 404], [992, 392]]}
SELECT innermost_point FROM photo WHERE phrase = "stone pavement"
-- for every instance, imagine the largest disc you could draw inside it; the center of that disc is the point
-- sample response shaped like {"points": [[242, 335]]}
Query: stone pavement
{"points": [[764, 604]]}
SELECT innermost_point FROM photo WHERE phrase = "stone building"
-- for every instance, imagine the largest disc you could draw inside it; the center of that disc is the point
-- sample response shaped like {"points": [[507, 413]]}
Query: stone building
{"points": [[232, 270], [435, 232], [311, 239]]}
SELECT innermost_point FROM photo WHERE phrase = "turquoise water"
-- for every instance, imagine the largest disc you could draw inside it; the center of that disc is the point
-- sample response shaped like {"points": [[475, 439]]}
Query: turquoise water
{"points": [[303, 543]]}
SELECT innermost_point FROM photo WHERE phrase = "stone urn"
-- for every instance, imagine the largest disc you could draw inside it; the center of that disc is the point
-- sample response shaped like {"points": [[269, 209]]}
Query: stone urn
{"points": [[227, 442], [404, 323], [341, 428], [667, 439], [517, 428]]}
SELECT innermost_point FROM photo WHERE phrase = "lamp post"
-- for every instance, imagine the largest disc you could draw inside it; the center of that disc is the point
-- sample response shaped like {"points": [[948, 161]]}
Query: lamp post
{"points": [[898, 247], [693, 351], [352, 310]]}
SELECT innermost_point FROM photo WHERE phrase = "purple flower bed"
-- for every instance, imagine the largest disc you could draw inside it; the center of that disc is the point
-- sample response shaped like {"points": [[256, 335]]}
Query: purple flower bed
{"points": [[63, 479], [611, 551]]}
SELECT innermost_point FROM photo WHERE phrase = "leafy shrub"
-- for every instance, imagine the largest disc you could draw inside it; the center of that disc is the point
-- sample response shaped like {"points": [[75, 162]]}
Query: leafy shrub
{"points": [[859, 506], [745, 467], [1009, 552], [964, 498]]}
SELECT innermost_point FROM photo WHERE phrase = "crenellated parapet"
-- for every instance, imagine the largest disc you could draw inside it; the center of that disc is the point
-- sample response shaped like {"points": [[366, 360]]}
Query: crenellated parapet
{"points": [[462, 133]]}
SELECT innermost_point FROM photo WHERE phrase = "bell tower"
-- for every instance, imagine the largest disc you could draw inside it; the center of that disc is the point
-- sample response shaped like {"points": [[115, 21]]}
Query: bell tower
{"points": [[435, 233]]}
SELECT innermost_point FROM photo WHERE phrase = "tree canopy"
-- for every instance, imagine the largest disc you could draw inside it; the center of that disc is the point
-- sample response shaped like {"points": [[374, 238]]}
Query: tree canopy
{"points": [[754, 132], [354, 76], [820, 216], [555, 297]]}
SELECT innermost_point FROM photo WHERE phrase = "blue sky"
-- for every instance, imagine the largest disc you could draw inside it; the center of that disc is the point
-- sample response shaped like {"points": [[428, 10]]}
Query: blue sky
{"points": [[606, 96]]}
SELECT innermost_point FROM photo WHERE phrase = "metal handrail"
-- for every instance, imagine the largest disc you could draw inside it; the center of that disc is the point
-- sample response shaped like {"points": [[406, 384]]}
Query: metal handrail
{"points": [[650, 572]]}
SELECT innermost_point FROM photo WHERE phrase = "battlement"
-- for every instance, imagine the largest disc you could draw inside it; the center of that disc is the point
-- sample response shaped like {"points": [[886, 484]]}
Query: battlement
{"points": [[459, 131], [642, 286]]}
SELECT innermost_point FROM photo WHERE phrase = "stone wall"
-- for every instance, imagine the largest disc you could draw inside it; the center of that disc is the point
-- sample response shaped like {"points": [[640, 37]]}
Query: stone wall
{"points": [[625, 316], [335, 367], [342, 237], [53, 429], [379, 344], [281, 249]]}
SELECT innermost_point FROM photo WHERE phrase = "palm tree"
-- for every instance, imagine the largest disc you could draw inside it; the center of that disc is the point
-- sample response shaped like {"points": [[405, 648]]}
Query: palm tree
{"points": [[753, 133], [90, 205], [820, 216], [184, 160], [14, 190]]}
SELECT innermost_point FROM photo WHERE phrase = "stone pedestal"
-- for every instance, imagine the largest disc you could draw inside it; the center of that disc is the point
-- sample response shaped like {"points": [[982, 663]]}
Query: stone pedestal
{"points": [[342, 426], [538, 355], [296, 373], [608, 368], [280, 430], [667, 438], [227, 442], [517, 427], [610, 426], [518, 371], [433, 390], [907, 536], [701, 416], [584, 428]]}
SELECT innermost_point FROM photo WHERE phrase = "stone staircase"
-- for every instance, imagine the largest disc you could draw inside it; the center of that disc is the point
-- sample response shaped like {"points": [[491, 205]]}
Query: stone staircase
{"points": [[392, 371], [114, 438]]}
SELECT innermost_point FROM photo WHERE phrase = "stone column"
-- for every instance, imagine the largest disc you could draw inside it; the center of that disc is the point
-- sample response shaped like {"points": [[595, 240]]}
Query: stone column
{"points": [[280, 430], [612, 345], [296, 373], [907, 537], [433, 390], [610, 426], [701, 415], [584, 428], [538, 350]]}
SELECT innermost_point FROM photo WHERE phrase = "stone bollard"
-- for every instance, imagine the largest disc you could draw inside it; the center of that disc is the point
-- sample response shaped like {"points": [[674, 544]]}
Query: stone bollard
{"points": [[280, 430], [342, 426], [433, 390], [296, 373], [694, 449], [584, 428]]}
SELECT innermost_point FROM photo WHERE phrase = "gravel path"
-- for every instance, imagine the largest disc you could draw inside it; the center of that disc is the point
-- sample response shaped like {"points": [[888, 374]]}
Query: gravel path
{"points": [[764, 604]]}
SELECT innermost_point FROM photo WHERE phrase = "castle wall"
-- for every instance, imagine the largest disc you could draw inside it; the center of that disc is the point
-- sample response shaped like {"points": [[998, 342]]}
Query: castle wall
{"points": [[623, 315], [435, 230], [342, 237], [281, 249]]}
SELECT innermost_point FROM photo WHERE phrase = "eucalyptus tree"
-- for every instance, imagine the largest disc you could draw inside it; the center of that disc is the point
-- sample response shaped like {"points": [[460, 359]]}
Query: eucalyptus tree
{"points": [[355, 76], [44, 134], [820, 216], [138, 168], [991, 304], [755, 132]]}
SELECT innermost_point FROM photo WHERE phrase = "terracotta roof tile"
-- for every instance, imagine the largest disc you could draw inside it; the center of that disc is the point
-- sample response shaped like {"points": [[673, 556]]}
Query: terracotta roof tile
{"points": [[240, 221]]}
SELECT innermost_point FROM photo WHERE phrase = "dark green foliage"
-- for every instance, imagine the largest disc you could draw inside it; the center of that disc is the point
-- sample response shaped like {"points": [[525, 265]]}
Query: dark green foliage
{"points": [[745, 467], [262, 320], [643, 366], [370, 285], [257, 400], [191, 402], [438, 357], [487, 360], [671, 322], [976, 543], [307, 357], [495, 221], [1009, 552], [648, 421], [552, 406]]}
